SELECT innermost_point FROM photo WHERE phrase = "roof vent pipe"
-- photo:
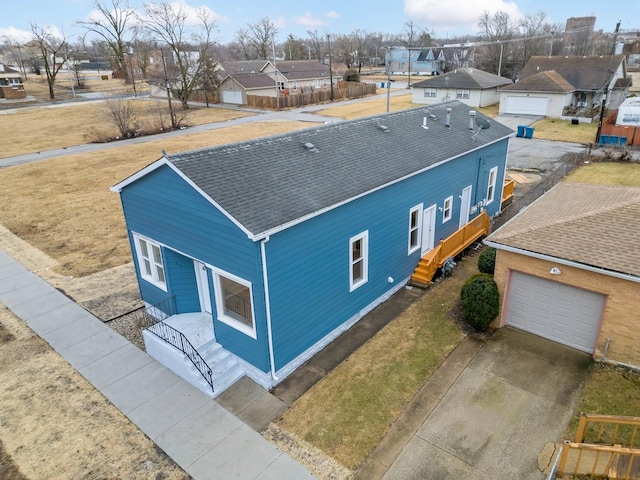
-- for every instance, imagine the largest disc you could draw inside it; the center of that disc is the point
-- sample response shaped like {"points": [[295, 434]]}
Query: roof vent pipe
{"points": [[424, 123], [447, 119], [472, 116]]}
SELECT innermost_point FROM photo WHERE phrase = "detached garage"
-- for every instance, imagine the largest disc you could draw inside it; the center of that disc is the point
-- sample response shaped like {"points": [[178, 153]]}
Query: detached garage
{"points": [[545, 93], [568, 269]]}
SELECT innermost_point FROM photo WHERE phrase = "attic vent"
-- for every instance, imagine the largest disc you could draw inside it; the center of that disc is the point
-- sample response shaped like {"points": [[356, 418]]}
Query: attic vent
{"points": [[310, 147], [384, 128], [432, 116]]}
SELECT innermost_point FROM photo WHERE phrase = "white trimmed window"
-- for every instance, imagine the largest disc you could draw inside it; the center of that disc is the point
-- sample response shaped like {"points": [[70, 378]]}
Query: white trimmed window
{"points": [[430, 92], [280, 86], [234, 302], [491, 186], [415, 228], [295, 86], [358, 260], [447, 209], [150, 262], [462, 93]]}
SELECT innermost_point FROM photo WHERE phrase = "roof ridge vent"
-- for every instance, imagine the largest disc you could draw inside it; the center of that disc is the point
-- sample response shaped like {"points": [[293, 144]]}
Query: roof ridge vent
{"points": [[310, 147]]}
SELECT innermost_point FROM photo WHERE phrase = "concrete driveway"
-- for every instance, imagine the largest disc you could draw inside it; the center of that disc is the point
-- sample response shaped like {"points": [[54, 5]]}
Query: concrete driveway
{"points": [[517, 394]]}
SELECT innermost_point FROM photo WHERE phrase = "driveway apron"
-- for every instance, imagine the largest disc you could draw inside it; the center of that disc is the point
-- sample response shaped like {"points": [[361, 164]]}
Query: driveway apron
{"points": [[517, 394]]}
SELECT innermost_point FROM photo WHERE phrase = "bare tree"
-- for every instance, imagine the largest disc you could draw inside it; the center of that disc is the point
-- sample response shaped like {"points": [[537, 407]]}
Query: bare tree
{"points": [[532, 31], [112, 26], [414, 35], [17, 53], [123, 115], [53, 53], [261, 34], [243, 42], [316, 43], [190, 46], [498, 29]]}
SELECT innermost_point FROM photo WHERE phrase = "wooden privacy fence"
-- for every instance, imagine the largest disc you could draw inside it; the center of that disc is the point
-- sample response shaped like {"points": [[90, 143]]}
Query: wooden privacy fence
{"points": [[605, 446], [343, 90]]}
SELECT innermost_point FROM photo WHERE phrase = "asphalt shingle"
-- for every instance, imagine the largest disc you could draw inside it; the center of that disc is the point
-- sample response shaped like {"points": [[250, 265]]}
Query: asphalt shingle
{"points": [[271, 182]]}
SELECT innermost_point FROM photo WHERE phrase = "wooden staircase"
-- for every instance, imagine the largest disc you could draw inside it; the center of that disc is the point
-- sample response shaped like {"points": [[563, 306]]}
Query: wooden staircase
{"points": [[451, 246]]}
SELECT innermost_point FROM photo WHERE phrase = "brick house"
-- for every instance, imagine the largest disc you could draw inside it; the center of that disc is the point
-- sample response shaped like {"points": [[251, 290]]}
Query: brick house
{"points": [[568, 269], [11, 86]]}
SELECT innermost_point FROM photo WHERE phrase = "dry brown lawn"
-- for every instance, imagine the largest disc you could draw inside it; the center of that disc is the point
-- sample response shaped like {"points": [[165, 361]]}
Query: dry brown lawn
{"points": [[36, 129], [55, 425], [564, 131], [366, 108], [607, 173], [64, 207]]}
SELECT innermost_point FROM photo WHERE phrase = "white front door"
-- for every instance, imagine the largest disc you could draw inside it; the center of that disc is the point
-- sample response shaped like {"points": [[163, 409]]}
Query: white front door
{"points": [[465, 206], [202, 279], [428, 229]]}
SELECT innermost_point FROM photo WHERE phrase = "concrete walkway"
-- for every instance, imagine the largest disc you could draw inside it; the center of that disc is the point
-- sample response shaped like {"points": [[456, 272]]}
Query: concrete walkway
{"points": [[198, 434]]}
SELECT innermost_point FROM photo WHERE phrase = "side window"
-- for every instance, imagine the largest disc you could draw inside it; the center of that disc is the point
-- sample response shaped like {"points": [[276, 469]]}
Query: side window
{"points": [[447, 209], [358, 260], [491, 187], [415, 228], [150, 261]]}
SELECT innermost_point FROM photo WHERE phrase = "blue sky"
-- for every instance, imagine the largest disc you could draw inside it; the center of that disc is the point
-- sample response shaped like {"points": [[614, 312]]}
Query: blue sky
{"points": [[445, 17]]}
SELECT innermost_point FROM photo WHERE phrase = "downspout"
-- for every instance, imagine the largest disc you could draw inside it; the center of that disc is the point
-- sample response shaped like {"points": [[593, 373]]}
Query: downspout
{"points": [[267, 305]]}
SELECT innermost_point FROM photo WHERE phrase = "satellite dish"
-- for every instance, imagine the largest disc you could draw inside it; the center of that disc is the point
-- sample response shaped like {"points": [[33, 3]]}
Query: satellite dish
{"points": [[483, 123]]}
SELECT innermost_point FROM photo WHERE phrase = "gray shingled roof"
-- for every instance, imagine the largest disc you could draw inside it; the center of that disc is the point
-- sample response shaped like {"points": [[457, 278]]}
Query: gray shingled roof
{"points": [[584, 73], [594, 225], [253, 80], [303, 69], [244, 66], [267, 183], [547, 81], [470, 78]]}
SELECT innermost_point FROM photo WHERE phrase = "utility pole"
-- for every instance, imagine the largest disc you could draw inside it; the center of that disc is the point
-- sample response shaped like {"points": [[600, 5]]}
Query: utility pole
{"points": [[330, 69], [387, 62], [133, 77], [166, 83], [606, 87], [275, 67]]}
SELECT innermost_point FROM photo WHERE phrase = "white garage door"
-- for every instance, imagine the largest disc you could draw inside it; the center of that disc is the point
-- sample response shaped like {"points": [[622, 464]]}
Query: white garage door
{"points": [[232, 96], [559, 312], [527, 105]]}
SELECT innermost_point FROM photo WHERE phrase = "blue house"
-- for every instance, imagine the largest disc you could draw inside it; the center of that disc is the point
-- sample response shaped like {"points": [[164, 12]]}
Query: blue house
{"points": [[278, 245], [419, 61]]}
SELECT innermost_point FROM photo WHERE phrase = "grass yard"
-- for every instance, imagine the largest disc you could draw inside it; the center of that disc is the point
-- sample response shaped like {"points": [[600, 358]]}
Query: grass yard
{"points": [[609, 391], [64, 207], [366, 108], [563, 130], [349, 411], [47, 127], [607, 173]]}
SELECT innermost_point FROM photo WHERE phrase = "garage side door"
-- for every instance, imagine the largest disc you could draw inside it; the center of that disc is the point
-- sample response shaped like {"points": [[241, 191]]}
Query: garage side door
{"points": [[527, 105], [559, 312], [232, 96]]}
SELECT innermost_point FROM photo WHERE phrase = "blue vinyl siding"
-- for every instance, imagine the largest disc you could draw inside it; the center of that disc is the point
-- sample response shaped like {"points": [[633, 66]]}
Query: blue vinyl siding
{"points": [[164, 208], [309, 263]]}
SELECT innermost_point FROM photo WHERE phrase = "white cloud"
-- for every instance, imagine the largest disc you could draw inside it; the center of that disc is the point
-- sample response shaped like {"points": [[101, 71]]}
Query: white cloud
{"points": [[308, 20], [332, 14], [192, 13], [459, 16], [12, 34]]}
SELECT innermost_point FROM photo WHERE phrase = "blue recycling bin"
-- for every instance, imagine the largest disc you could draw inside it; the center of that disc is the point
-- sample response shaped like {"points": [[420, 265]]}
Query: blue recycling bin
{"points": [[520, 131], [604, 139], [528, 132], [622, 141], [381, 84], [613, 140]]}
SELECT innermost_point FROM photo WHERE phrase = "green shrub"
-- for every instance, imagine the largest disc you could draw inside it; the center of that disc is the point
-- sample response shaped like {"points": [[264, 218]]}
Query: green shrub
{"points": [[480, 301], [487, 260]]}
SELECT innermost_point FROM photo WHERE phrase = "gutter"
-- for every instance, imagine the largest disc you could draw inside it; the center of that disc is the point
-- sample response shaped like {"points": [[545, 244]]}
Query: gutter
{"points": [[561, 261], [267, 304]]}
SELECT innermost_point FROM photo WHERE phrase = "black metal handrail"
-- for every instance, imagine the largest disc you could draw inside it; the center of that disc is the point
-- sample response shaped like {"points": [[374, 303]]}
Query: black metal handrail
{"points": [[149, 316], [179, 341]]}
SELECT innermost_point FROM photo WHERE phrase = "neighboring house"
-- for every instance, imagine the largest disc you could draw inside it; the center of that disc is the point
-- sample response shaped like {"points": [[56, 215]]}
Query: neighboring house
{"points": [[285, 242], [418, 61], [568, 269], [546, 93], [260, 78], [474, 87], [11, 86], [589, 76]]}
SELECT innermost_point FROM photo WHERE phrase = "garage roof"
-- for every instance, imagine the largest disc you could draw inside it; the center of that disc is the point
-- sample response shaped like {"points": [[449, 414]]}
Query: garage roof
{"points": [[595, 225], [550, 81], [469, 78]]}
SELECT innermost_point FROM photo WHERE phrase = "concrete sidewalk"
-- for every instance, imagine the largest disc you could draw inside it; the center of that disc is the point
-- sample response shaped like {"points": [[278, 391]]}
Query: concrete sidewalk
{"points": [[198, 434]]}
